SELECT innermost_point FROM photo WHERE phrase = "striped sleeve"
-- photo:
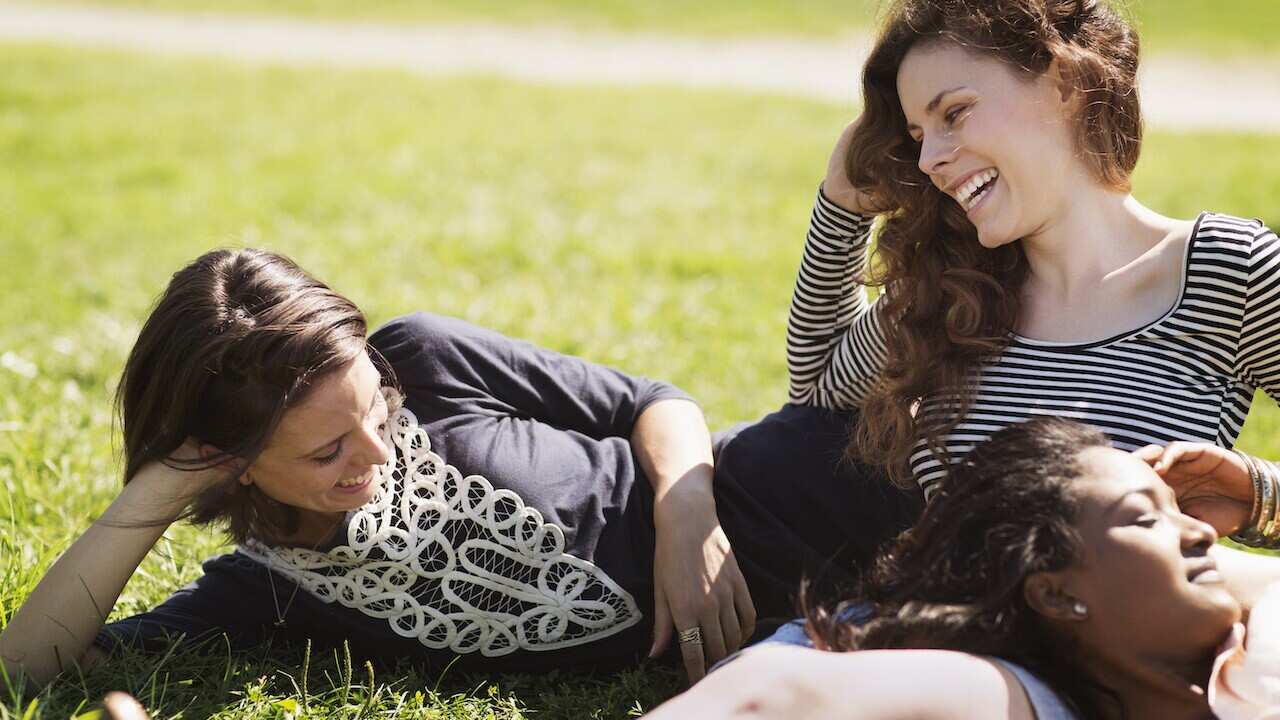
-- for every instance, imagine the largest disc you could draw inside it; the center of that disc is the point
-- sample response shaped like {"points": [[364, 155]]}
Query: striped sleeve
{"points": [[1258, 359], [835, 349]]}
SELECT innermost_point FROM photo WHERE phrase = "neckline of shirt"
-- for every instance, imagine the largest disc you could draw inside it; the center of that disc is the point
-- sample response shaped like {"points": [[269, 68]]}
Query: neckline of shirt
{"points": [[1192, 239]]}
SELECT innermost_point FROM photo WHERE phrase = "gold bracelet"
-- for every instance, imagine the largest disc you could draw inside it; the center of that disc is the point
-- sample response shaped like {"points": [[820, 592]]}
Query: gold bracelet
{"points": [[1263, 529], [1255, 479]]}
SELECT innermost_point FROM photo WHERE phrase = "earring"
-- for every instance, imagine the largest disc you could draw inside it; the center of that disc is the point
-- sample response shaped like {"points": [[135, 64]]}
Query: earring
{"points": [[1080, 609]]}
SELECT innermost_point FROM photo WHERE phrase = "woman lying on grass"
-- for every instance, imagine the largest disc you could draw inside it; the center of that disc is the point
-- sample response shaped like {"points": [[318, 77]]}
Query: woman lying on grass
{"points": [[1051, 576], [435, 491]]}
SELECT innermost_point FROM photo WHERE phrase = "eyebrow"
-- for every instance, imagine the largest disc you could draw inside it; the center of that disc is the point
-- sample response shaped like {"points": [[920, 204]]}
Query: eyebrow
{"points": [[376, 393], [936, 101], [1153, 493]]}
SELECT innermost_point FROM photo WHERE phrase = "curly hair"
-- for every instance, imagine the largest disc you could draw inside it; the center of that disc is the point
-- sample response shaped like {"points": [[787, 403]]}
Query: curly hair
{"points": [[955, 580], [951, 303]]}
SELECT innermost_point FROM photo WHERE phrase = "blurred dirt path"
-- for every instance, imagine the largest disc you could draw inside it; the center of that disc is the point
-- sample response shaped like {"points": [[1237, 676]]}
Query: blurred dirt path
{"points": [[1179, 93]]}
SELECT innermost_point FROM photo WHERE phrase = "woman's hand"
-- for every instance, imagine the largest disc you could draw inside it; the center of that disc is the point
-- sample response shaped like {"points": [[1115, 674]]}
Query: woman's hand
{"points": [[837, 186], [1212, 483], [697, 583]]}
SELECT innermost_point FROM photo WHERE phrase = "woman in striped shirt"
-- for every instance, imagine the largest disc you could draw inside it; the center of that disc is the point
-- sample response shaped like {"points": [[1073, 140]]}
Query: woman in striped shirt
{"points": [[1019, 275]]}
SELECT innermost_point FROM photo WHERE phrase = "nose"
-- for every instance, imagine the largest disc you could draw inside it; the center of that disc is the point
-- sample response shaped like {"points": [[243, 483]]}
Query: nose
{"points": [[1198, 535], [373, 451], [936, 152]]}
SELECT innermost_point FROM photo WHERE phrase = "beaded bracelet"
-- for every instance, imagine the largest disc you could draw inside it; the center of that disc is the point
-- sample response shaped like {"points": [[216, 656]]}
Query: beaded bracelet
{"points": [[1263, 528]]}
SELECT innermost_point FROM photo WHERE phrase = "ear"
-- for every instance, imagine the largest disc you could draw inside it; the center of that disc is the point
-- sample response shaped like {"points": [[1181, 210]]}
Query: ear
{"points": [[209, 453], [1062, 83], [1049, 594]]}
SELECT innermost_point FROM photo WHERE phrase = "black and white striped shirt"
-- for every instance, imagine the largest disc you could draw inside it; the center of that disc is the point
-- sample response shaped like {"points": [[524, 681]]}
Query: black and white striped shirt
{"points": [[1189, 375]]}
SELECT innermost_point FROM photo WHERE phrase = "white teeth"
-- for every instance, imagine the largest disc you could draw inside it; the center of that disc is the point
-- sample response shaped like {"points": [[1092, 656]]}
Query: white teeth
{"points": [[966, 191], [350, 483]]}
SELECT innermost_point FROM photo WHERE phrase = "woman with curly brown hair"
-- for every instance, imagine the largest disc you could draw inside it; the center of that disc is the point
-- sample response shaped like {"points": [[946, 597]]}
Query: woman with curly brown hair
{"points": [[1019, 275]]}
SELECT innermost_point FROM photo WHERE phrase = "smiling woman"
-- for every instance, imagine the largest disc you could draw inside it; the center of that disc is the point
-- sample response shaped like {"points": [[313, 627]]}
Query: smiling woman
{"points": [[1052, 577], [1020, 276], [253, 399], [434, 492]]}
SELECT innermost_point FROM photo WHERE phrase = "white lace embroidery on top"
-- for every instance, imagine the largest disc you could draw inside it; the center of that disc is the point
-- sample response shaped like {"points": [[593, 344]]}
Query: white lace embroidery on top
{"points": [[456, 563]]}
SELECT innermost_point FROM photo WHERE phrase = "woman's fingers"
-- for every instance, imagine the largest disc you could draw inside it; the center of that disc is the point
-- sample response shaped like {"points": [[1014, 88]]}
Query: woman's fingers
{"points": [[1149, 453], [1176, 453], [745, 609], [713, 640], [730, 628], [695, 662], [662, 627]]}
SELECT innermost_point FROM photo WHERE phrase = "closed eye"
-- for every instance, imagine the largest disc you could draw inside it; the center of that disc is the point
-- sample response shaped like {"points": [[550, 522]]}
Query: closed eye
{"points": [[327, 459], [953, 115]]}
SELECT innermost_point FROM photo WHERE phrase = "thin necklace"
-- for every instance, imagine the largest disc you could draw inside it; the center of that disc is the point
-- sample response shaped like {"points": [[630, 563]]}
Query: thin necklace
{"points": [[275, 597]]}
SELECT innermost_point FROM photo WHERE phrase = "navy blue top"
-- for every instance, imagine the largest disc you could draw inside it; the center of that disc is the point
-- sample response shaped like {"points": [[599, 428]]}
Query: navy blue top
{"points": [[554, 429], [551, 427]]}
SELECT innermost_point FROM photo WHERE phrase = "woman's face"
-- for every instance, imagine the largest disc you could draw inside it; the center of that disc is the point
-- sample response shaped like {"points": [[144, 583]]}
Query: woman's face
{"points": [[997, 143], [1147, 578], [325, 453]]}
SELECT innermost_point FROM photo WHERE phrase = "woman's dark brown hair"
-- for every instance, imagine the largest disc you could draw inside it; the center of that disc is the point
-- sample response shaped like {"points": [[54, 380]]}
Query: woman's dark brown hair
{"points": [[955, 580], [951, 303], [237, 338]]}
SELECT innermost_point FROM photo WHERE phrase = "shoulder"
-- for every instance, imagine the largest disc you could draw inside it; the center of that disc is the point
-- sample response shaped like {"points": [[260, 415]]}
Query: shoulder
{"points": [[1228, 234], [422, 330], [887, 684], [1232, 256], [423, 345], [1043, 699]]}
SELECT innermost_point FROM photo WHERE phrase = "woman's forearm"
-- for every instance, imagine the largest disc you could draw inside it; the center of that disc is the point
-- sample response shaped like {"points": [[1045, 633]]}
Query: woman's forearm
{"points": [[791, 683], [59, 620], [671, 442], [829, 306]]}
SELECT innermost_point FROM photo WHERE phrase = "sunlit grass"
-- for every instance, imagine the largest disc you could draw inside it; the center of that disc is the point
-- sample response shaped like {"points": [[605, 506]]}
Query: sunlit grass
{"points": [[658, 231]]}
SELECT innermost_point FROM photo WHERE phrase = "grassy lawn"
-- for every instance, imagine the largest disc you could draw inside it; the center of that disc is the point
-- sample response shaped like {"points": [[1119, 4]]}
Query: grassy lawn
{"points": [[1230, 27], [655, 230]]}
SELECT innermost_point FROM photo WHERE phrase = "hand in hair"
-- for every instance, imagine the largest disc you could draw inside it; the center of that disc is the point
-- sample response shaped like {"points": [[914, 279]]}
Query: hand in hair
{"points": [[1212, 483], [201, 466], [837, 186]]}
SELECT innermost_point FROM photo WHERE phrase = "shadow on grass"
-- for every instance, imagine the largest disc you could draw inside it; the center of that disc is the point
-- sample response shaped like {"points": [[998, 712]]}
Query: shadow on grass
{"points": [[270, 683]]}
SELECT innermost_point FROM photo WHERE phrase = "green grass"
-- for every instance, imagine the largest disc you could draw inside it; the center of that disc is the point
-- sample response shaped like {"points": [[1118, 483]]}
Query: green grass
{"points": [[1229, 27], [656, 230]]}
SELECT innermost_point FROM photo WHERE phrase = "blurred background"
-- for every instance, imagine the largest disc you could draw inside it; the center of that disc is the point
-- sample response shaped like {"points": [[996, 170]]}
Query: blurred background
{"points": [[623, 180]]}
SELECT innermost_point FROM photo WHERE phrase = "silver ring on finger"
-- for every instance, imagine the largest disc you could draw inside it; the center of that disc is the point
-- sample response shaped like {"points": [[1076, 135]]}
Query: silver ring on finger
{"points": [[692, 636]]}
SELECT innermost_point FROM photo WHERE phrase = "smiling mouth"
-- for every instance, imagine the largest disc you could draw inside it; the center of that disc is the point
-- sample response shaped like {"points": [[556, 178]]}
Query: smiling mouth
{"points": [[355, 484], [1206, 572], [977, 188]]}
